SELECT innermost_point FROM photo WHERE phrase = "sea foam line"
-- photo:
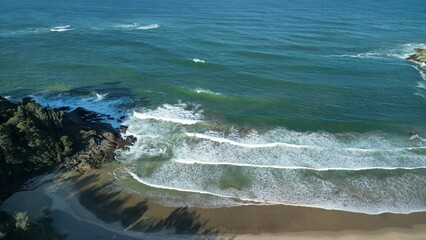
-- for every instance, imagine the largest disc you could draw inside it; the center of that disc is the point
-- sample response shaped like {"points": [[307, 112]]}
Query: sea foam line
{"points": [[61, 28], [148, 27], [421, 71], [250, 202], [197, 60], [145, 116], [200, 90], [362, 55], [137, 178], [258, 201], [277, 144], [193, 162]]}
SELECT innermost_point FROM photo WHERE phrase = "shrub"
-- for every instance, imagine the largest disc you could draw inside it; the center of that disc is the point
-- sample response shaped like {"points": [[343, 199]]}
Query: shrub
{"points": [[21, 221]]}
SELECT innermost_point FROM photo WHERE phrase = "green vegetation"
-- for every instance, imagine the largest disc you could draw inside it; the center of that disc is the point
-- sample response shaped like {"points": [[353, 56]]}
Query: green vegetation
{"points": [[32, 140], [18, 226], [21, 221]]}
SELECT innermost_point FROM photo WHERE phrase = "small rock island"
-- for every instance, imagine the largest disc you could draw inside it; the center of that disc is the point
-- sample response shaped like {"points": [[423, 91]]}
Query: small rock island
{"points": [[419, 56]]}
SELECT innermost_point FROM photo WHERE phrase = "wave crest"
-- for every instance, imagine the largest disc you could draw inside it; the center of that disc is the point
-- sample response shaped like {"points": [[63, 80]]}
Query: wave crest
{"points": [[62, 28], [197, 60], [320, 169]]}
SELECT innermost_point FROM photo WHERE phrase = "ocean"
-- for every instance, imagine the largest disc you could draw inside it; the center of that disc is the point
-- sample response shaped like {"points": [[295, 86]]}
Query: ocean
{"points": [[308, 103]]}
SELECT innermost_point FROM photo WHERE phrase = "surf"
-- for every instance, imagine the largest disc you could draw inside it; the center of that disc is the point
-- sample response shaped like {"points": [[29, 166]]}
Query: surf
{"points": [[178, 113], [197, 60], [62, 28], [148, 27], [193, 162], [109, 108], [257, 194], [278, 144]]}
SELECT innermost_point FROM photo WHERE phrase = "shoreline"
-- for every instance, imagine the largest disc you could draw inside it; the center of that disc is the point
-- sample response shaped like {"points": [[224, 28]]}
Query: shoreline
{"points": [[97, 200]]}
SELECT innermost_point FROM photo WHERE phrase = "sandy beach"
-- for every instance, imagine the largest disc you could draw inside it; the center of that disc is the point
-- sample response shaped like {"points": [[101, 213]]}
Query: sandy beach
{"points": [[94, 204]]}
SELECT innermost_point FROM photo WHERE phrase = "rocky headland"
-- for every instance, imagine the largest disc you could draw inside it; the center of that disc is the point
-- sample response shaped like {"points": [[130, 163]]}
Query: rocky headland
{"points": [[419, 56], [35, 140]]}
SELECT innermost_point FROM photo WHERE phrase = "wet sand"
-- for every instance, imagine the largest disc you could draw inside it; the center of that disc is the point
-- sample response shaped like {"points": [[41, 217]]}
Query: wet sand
{"points": [[96, 200]]}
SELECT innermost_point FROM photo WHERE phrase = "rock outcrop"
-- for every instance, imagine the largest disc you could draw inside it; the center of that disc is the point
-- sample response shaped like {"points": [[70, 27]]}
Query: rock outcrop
{"points": [[34, 139], [419, 56]]}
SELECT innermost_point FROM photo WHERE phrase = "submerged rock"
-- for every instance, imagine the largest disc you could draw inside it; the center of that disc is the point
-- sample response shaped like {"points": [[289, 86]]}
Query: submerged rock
{"points": [[419, 56], [34, 139], [123, 129]]}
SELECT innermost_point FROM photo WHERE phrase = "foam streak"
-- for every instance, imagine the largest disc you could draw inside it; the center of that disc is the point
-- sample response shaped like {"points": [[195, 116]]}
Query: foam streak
{"points": [[191, 162]]}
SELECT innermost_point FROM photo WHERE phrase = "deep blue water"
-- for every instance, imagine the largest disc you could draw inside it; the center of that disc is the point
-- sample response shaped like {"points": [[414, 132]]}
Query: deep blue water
{"points": [[240, 98]]}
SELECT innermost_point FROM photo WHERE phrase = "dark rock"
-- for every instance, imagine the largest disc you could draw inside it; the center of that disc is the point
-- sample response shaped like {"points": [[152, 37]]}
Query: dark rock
{"points": [[80, 111], [64, 109], [34, 139], [130, 140], [123, 129], [419, 56], [27, 100]]}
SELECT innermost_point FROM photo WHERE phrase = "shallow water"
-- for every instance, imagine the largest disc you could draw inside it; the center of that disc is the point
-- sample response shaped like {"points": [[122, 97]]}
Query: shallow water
{"points": [[305, 103]]}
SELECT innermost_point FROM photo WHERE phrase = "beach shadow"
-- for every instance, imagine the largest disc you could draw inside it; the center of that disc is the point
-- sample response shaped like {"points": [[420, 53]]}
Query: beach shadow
{"points": [[180, 220], [111, 204]]}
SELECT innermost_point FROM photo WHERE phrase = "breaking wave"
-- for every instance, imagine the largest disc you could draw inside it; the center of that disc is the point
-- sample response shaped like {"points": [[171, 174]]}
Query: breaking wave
{"points": [[148, 27], [109, 108], [180, 149], [62, 28], [137, 26], [200, 90], [402, 52], [197, 60]]}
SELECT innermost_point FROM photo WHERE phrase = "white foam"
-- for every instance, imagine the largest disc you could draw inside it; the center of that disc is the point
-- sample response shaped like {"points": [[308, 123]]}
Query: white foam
{"points": [[421, 85], [137, 26], [401, 52], [61, 28], [137, 178], [200, 90], [248, 145], [260, 201], [416, 136], [97, 103], [19, 32], [316, 169], [193, 162], [148, 27], [254, 149], [167, 119], [421, 70], [278, 144], [277, 147], [394, 193], [178, 113], [419, 94], [373, 55], [404, 51], [100, 96], [133, 25], [197, 60]]}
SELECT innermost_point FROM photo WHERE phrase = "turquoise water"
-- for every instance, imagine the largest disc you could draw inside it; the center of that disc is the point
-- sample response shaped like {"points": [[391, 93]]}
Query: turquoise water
{"points": [[293, 102]]}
